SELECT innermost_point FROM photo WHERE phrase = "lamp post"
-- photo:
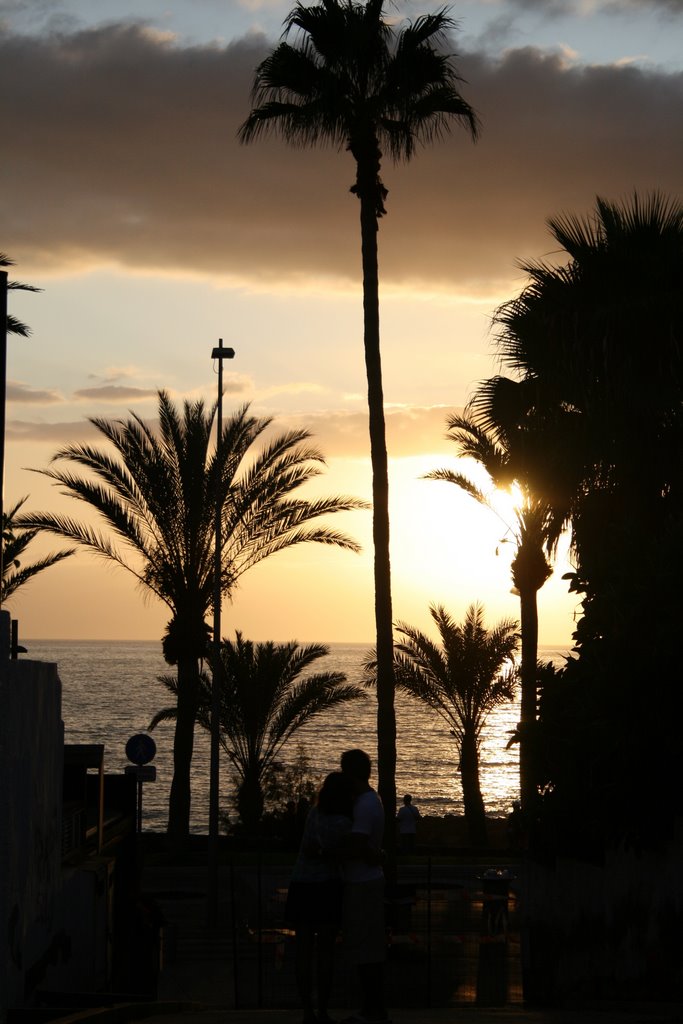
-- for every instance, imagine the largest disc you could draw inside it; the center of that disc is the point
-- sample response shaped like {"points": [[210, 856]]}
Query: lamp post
{"points": [[220, 354]]}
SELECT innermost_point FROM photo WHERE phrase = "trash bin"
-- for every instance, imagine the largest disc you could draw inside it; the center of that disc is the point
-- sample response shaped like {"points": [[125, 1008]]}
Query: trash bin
{"points": [[492, 970], [495, 884]]}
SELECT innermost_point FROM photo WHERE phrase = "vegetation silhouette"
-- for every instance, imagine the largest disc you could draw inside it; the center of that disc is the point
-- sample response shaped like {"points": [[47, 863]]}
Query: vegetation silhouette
{"points": [[264, 701], [14, 325], [594, 345], [156, 493], [505, 454], [15, 540], [462, 679], [353, 80]]}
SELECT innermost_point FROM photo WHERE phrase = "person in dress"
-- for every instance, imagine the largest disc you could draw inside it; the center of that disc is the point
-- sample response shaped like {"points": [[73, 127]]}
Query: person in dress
{"points": [[314, 899], [407, 818]]}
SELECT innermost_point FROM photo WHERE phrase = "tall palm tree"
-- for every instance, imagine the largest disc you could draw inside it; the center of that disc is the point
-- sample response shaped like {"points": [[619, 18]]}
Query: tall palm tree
{"points": [[15, 573], [156, 495], [502, 454], [463, 679], [263, 702], [351, 80]]}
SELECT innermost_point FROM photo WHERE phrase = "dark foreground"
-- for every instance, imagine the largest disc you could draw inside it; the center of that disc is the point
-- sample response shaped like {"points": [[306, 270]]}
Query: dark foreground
{"points": [[454, 955], [454, 942]]}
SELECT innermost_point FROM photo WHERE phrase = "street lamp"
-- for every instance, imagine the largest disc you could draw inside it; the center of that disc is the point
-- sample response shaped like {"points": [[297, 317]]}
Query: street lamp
{"points": [[220, 354]]}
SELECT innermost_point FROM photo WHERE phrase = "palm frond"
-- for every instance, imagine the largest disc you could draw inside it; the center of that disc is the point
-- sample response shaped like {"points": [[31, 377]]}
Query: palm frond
{"points": [[464, 677]]}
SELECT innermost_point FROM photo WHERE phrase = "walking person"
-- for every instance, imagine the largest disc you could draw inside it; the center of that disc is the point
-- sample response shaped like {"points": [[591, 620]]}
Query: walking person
{"points": [[314, 898], [363, 919], [407, 818]]}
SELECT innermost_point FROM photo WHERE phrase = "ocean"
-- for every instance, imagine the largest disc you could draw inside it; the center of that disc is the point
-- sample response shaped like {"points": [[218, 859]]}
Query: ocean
{"points": [[111, 690]]}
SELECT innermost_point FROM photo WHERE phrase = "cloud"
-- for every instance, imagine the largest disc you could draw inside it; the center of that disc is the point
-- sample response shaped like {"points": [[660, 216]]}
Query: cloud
{"points": [[124, 153], [28, 395], [115, 393], [237, 383], [292, 388], [54, 433], [411, 430], [564, 8], [669, 7]]}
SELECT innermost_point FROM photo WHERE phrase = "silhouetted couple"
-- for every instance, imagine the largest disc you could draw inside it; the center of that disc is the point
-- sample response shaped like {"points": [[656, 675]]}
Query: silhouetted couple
{"points": [[338, 881]]}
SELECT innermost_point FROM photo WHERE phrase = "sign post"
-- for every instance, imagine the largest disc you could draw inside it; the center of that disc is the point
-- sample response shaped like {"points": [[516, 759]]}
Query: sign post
{"points": [[140, 749]]}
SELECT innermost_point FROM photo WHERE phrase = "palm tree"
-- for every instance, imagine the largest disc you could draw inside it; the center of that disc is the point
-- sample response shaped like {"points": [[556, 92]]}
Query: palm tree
{"points": [[503, 454], [593, 349], [156, 496], [14, 325], [462, 680], [15, 541], [263, 703], [353, 81]]}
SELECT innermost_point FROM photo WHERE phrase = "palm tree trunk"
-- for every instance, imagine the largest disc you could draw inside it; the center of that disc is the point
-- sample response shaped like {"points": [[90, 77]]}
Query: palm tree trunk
{"points": [[367, 184], [475, 814], [183, 745], [250, 800], [529, 629]]}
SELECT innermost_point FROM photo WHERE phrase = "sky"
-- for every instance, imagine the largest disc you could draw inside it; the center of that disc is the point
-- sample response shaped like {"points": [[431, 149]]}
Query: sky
{"points": [[126, 197]]}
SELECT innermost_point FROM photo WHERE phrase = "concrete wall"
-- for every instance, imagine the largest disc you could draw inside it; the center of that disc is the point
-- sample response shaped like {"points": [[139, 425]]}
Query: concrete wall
{"points": [[31, 757]]}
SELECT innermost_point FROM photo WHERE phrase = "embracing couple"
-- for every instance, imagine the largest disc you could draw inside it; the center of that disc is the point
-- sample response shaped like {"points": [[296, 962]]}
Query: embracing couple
{"points": [[338, 881]]}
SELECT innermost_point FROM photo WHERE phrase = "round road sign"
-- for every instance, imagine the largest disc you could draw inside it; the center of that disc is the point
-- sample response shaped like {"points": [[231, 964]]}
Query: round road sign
{"points": [[141, 748]]}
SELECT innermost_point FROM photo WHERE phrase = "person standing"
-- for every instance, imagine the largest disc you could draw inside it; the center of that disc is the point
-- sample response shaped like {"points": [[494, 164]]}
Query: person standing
{"points": [[314, 897], [407, 818], [363, 921]]}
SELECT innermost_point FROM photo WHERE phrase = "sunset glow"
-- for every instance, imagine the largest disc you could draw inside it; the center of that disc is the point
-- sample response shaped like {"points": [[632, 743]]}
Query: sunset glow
{"points": [[153, 233]]}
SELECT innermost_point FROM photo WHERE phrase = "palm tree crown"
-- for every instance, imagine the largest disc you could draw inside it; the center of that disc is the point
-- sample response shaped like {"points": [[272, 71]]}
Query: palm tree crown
{"points": [[14, 325], [505, 455], [263, 702], [462, 679], [573, 339], [15, 573], [465, 677], [157, 495], [509, 457], [354, 81]]}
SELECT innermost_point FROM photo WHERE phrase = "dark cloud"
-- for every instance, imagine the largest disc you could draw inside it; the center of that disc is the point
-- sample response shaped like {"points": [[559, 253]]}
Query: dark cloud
{"points": [[123, 150], [115, 393], [549, 8], [28, 395], [674, 7], [564, 8]]}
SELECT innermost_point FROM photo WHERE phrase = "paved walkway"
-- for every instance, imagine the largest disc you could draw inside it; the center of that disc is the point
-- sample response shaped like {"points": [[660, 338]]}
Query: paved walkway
{"points": [[200, 978]]}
